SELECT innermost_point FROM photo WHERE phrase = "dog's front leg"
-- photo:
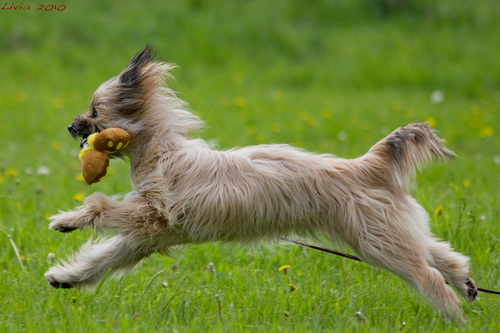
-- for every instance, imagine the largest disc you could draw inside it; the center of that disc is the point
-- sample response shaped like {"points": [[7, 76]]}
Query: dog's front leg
{"points": [[97, 259], [91, 214], [139, 235]]}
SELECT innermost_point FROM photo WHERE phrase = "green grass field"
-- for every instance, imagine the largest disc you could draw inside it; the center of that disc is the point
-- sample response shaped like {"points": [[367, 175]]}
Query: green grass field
{"points": [[328, 76]]}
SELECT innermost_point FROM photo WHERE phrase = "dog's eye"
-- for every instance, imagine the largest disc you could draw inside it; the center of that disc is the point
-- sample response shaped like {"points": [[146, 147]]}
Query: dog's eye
{"points": [[93, 113]]}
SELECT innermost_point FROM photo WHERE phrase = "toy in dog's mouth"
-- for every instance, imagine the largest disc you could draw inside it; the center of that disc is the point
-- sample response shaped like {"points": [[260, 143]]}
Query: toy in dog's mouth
{"points": [[85, 138], [84, 142], [79, 129]]}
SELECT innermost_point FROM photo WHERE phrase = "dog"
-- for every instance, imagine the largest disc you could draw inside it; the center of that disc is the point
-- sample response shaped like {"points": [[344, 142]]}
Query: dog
{"points": [[184, 192]]}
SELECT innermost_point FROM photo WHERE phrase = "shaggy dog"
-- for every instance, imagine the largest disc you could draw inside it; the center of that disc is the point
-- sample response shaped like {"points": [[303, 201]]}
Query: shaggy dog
{"points": [[186, 193]]}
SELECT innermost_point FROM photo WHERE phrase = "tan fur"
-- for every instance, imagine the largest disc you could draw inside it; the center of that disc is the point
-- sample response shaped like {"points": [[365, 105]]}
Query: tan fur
{"points": [[185, 193]]}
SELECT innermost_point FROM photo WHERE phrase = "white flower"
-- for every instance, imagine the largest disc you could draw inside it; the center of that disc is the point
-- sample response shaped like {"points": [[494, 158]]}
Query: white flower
{"points": [[342, 135], [51, 257], [437, 96], [213, 143], [496, 159], [43, 171]]}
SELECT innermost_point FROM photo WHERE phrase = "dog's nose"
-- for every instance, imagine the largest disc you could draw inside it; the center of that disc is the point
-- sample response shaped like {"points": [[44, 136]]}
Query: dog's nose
{"points": [[71, 129]]}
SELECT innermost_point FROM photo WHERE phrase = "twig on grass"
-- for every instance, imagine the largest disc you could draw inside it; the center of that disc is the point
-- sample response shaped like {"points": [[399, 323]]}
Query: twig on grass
{"points": [[16, 250], [102, 281], [219, 306], [149, 285]]}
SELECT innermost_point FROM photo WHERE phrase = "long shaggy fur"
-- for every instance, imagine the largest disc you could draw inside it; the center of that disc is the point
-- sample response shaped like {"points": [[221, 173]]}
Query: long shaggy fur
{"points": [[184, 193]]}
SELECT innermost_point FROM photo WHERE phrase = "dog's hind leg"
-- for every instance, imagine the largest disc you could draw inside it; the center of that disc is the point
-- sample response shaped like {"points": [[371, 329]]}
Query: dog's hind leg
{"points": [[454, 267], [97, 259], [432, 285], [406, 257]]}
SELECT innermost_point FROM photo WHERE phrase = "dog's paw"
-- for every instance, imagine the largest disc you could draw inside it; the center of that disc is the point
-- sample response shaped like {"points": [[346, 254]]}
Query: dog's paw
{"points": [[471, 290], [63, 222], [56, 283], [62, 228]]}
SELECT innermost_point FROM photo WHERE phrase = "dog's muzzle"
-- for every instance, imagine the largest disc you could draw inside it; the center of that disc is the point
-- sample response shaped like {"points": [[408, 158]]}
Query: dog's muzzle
{"points": [[74, 132]]}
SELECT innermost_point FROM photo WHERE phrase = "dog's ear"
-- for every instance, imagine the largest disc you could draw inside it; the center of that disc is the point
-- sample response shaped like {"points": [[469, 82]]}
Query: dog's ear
{"points": [[131, 75], [133, 81]]}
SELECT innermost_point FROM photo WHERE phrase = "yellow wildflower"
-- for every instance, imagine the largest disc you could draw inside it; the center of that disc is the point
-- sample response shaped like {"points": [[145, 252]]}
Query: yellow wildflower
{"points": [[79, 196], [466, 183], [292, 287], [284, 268], [11, 172], [486, 131], [438, 211], [431, 121]]}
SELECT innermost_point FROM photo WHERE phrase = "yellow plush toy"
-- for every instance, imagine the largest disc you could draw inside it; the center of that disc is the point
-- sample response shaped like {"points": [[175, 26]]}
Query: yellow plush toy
{"points": [[94, 155]]}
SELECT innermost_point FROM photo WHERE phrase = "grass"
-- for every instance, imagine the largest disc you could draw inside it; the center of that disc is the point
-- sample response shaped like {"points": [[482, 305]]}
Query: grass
{"points": [[326, 76]]}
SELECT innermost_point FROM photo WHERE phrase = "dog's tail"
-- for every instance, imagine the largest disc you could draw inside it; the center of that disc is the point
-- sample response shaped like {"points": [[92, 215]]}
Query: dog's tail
{"points": [[408, 148]]}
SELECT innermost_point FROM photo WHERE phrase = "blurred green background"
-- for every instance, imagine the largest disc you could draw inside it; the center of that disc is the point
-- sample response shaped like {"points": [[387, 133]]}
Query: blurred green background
{"points": [[328, 76]]}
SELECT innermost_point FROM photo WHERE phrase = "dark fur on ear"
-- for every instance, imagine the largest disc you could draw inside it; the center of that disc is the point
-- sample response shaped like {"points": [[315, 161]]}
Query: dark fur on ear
{"points": [[131, 81], [130, 75]]}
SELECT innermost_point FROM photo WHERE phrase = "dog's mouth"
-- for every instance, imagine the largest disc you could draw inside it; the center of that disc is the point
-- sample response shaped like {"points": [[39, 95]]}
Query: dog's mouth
{"points": [[81, 129]]}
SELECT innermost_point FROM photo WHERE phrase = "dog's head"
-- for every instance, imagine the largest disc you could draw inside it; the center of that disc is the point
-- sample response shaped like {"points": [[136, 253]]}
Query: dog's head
{"points": [[134, 100]]}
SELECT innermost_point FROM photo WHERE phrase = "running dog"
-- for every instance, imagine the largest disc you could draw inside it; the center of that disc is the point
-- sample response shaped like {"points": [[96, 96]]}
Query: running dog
{"points": [[184, 192]]}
